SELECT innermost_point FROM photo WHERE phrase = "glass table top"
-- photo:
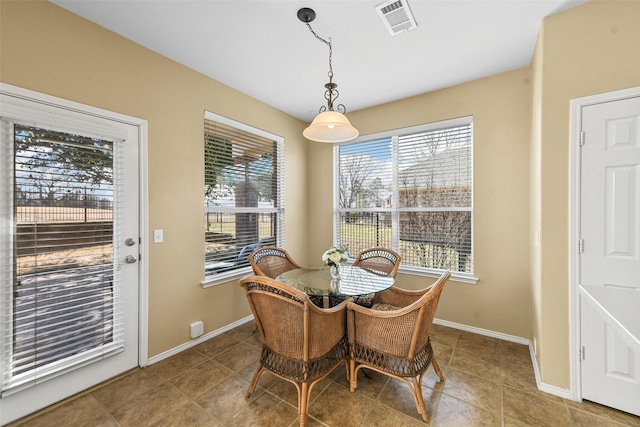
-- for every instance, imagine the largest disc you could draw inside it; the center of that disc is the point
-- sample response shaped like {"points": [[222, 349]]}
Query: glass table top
{"points": [[353, 281]]}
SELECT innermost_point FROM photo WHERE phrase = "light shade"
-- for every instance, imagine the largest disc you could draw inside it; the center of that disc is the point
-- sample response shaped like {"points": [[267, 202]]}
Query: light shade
{"points": [[330, 126]]}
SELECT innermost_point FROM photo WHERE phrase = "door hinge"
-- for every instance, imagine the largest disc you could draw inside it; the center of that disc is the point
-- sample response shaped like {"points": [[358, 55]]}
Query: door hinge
{"points": [[581, 137], [581, 245], [581, 352]]}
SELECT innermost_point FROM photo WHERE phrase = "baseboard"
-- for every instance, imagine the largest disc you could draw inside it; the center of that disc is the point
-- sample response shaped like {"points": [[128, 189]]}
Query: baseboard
{"points": [[485, 332], [547, 388], [182, 347]]}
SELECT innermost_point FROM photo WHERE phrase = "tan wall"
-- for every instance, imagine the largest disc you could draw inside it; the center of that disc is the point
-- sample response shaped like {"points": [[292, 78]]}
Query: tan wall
{"points": [[47, 49], [320, 201], [500, 106], [521, 123], [593, 48], [534, 194]]}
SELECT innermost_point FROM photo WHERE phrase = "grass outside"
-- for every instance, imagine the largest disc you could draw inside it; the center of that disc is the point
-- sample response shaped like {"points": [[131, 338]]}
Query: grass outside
{"points": [[227, 247], [27, 214], [264, 228], [357, 237]]}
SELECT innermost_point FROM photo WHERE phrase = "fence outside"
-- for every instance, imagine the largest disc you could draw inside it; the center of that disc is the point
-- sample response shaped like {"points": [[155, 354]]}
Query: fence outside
{"points": [[437, 248], [46, 214]]}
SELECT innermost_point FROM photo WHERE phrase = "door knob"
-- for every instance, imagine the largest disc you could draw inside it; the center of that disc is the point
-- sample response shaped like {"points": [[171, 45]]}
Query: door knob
{"points": [[130, 259], [130, 242]]}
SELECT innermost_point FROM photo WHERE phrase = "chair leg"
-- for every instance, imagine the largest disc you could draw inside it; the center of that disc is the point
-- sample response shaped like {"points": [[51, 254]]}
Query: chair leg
{"points": [[419, 399], [353, 376], [303, 404], [436, 367], [254, 381]]}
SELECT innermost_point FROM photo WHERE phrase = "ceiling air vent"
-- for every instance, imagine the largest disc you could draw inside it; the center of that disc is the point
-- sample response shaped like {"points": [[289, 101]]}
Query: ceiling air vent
{"points": [[396, 16]]}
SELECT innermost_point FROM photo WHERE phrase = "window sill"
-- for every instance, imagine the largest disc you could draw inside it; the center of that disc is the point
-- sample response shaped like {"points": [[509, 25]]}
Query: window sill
{"points": [[456, 276], [230, 276]]}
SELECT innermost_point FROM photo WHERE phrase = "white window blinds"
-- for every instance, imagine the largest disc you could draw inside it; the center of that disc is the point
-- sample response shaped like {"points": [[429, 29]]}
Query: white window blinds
{"points": [[411, 191], [59, 308], [242, 194]]}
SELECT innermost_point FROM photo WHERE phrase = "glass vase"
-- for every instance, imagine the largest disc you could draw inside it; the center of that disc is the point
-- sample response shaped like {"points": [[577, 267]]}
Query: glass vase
{"points": [[335, 271]]}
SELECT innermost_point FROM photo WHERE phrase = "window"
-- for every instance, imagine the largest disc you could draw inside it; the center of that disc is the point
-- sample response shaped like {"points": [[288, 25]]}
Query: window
{"points": [[243, 202], [410, 190]]}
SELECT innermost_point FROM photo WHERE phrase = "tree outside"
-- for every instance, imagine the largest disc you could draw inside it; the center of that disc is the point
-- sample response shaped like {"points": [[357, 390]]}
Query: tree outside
{"points": [[433, 195]]}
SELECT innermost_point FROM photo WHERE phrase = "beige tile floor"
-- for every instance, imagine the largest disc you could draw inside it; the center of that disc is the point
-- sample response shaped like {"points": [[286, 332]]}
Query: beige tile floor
{"points": [[489, 382]]}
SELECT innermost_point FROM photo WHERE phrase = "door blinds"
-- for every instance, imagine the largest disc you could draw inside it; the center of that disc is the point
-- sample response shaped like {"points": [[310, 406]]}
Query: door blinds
{"points": [[60, 300]]}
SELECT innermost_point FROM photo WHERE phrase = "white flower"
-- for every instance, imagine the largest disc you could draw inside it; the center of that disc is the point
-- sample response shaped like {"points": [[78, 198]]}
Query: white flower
{"points": [[335, 256]]}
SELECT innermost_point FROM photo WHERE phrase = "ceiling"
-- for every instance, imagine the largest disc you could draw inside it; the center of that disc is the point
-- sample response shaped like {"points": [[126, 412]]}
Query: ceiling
{"points": [[260, 47]]}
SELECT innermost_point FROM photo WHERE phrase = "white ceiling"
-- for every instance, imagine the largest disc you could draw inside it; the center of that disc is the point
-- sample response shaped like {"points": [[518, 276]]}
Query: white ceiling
{"points": [[260, 47]]}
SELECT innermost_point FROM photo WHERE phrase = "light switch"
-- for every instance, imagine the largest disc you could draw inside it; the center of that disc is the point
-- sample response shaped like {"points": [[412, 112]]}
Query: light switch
{"points": [[158, 236]]}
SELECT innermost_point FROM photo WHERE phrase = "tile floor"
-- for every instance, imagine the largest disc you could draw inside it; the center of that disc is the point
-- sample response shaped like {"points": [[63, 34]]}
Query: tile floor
{"points": [[489, 382]]}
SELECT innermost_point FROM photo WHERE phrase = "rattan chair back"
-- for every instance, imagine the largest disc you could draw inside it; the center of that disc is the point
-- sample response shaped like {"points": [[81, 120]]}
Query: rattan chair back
{"points": [[271, 261], [301, 343], [381, 260], [396, 342]]}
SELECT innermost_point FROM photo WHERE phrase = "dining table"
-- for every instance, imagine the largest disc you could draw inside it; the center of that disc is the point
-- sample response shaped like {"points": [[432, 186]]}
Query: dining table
{"points": [[358, 283]]}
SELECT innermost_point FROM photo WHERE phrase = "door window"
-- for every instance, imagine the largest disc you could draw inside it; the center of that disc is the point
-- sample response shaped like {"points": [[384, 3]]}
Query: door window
{"points": [[62, 306]]}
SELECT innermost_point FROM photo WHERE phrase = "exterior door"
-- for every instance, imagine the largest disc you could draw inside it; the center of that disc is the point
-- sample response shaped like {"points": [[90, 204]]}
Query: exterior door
{"points": [[69, 251], [610, 254]]}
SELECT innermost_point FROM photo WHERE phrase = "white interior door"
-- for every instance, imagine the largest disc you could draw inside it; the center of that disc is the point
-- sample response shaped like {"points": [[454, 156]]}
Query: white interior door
{"points": [[610, 254], [69, 251]]}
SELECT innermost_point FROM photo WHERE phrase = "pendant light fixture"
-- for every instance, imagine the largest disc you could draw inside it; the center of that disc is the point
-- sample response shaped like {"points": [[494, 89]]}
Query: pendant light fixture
{"points": [[329, 125]]}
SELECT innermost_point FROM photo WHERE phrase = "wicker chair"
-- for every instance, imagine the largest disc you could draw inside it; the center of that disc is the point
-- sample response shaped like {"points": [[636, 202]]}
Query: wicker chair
{"points": [[271, 261], [301, 343], [395, 342], [381, 260]]}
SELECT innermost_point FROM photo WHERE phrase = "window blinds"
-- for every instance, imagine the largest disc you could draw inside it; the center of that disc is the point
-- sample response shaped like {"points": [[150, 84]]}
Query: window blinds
{"points": [[434, 196], [60, 300], [365, 195], [411, 192], [242, 195]]}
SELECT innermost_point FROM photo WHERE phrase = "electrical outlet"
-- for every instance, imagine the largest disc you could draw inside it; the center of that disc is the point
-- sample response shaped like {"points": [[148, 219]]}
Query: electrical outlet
{"points": [[196, 329]]}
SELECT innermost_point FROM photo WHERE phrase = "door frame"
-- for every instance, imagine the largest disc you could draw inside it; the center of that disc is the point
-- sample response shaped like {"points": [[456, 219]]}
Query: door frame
{"points": [[142, 126], [575, 168]]}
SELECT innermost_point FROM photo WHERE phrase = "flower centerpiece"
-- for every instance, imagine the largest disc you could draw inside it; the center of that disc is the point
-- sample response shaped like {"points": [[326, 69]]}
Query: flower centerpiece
{"points": [[333, 257]]}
